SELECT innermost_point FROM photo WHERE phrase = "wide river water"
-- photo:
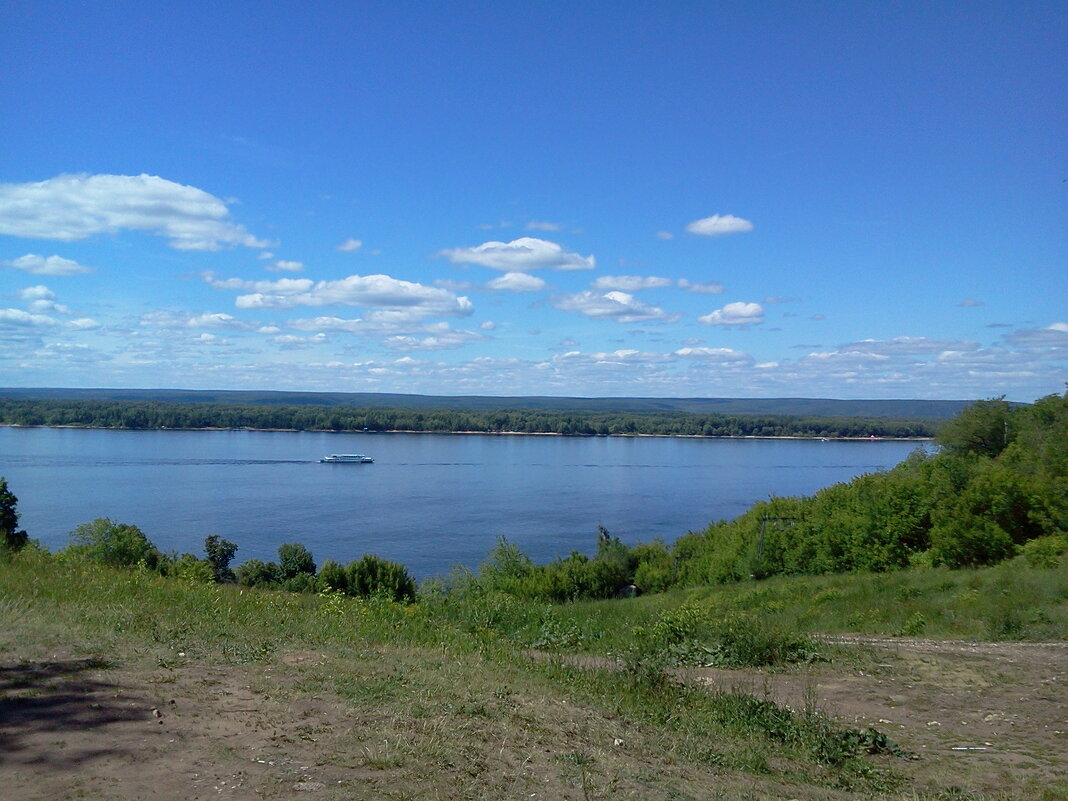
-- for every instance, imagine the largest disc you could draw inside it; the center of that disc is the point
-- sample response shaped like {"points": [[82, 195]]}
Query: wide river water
{"points": [[431, 501]]}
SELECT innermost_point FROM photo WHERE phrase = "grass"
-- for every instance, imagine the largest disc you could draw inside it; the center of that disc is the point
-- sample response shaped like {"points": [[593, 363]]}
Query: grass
{"points": [[447, 692], [1011, 601]]}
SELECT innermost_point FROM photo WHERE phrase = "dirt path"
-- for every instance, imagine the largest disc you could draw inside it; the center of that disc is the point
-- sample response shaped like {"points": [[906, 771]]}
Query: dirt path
{"points": [[988, 717]]}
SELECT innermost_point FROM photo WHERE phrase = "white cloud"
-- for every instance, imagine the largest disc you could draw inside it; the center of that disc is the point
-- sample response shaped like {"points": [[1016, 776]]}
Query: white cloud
{"points": [[719, 224], [715, 355], [169, 320], [617, 357], [72, 207], [739, 313], [618, 306], [24, 319], [516, 282], [50, 265], [1054, 336], [520, 255], [83, 324], [664, 235], [540, 225], [350, 245], [39, 292], [630, 283], [907, 346], [282, 266], [438, 337], [371, 291], [705, 288]]}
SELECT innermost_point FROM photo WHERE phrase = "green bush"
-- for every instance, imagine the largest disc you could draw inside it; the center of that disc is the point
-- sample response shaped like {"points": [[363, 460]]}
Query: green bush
{"points": [[257, 573], [373, 577], [1045, 552], [110, 543], [295, 559]]}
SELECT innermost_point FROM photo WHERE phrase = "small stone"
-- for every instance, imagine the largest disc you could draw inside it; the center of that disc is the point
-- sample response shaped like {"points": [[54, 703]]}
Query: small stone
{"points": [[156, 713], [308, 787]]}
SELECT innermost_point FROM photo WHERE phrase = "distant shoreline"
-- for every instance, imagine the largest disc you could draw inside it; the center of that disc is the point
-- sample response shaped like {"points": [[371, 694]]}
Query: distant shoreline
{"points": [[491, 433]]}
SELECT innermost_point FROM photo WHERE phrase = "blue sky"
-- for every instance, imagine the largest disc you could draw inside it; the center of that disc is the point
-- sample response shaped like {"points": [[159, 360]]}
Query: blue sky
{"points": [[673, 199]]}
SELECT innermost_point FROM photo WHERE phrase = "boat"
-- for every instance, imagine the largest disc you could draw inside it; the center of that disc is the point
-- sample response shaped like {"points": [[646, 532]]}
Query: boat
{"points": [[347, 458]]}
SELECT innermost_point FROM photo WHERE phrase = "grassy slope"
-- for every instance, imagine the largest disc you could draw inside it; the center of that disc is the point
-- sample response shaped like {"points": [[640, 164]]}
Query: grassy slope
{"points": [[459, 709]]}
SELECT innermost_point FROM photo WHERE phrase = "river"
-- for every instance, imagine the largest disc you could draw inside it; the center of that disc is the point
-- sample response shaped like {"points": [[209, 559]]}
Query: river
{"points": [[430, 501]]}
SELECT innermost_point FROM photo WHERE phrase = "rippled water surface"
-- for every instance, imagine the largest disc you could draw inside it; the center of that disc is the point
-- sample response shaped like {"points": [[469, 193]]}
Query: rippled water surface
{"points": [[430, 501]]}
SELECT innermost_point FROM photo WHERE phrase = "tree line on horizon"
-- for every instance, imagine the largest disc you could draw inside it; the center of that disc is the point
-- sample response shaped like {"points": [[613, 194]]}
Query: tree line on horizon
{"points": [[166, 414]]}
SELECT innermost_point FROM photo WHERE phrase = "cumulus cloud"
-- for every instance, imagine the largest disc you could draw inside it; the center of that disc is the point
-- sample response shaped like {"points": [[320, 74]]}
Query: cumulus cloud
{"points": [[438, 337], [520, 255], [738, 313], [170, 320], [41, 299], [630, 283], [907, 346], [621, 356], [516, 282], [1054, 335], [719, 225], [282, 266], [705, 288], [619, 306], [72, 207], [25, 319], [350, 245], [715, 355], [370, 291], [50, 265], [39, 292]]}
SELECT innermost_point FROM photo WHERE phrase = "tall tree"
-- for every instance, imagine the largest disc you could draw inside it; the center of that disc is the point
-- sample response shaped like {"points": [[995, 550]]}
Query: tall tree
{"points": [[13, 537]]}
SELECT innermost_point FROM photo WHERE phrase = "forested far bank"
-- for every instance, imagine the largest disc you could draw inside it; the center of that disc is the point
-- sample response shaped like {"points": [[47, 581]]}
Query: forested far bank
{"points": [[164, 414]]}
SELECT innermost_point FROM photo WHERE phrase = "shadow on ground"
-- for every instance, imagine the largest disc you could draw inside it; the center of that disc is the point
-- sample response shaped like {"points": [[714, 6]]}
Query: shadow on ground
{"points": [[48, 708]]}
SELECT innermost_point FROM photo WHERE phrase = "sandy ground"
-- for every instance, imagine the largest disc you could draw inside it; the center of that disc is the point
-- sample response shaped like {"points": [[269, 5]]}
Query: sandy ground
{"points": [[986, 718]]}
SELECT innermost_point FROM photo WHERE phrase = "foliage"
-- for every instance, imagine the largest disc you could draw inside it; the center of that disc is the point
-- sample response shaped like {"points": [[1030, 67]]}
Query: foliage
{"points": [[294, 560], [981, 429], [146, 414], [110, 543], [373, 577], [220, 552], [257, 573], [11, 537]]}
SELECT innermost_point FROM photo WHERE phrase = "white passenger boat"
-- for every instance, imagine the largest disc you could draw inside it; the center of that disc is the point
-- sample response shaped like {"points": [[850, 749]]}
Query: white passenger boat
{"points": [[347, 458]]}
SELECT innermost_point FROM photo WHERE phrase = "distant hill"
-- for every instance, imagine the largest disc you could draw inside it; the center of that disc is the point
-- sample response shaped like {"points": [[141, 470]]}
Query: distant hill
{"points": [[808, 407]]}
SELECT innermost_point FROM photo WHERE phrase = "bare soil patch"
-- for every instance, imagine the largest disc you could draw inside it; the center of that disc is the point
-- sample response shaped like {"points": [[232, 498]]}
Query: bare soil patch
{"points": [[985, 717], [74, 728]]}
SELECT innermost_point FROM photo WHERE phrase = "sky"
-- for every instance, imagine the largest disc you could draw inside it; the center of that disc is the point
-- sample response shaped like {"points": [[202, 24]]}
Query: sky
{"points": [[676, 199]]}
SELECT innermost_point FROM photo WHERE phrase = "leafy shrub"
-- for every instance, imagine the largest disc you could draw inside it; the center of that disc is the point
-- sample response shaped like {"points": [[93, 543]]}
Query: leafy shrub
{"points": [[257, 573], [1045, 552], [374, 577], [110, 543], [294, 559], [220, 552], [192, 570], [332, 577]]}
